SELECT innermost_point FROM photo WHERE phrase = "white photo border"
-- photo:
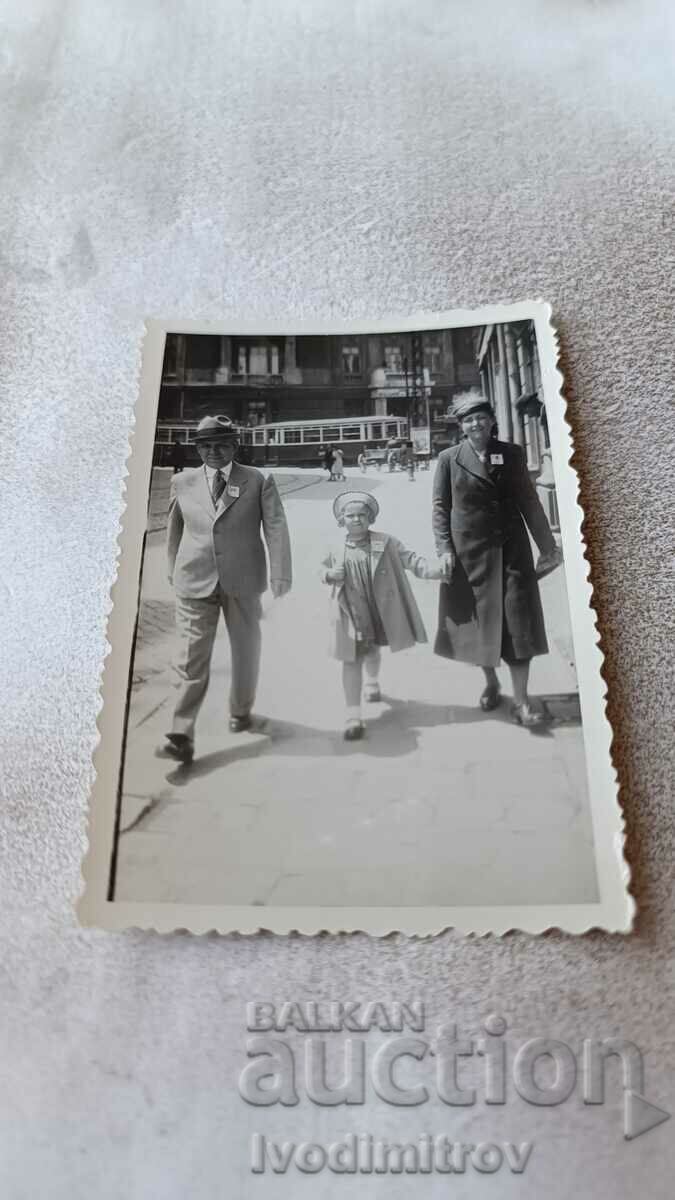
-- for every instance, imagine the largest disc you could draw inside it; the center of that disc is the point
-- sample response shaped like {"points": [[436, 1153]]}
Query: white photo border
{"points": [[614, 911]]}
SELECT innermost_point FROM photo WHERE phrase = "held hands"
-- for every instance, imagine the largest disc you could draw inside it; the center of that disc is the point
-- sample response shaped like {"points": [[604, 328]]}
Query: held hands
{"points": [[336, 574], [447, 561], [280, 587]]}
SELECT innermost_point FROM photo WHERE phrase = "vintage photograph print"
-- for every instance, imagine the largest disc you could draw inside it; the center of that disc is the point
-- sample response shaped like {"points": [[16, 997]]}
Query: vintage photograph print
{"points": [[354, 679]]}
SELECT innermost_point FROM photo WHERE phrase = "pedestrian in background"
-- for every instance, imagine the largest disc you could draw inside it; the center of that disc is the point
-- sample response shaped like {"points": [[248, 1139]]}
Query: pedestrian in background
{"points": [[176, 458], [362, 463], [373, 603], [217, 564], [337, 469], [408, 460]]}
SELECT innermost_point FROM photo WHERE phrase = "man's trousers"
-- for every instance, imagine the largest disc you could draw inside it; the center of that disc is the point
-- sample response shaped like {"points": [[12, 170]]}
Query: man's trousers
{"points": [[196, 625]]}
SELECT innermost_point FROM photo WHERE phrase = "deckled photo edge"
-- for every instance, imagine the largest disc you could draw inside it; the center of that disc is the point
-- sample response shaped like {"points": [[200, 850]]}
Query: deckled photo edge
{"points": [[607, 814], [102, 814], [615, 910]]}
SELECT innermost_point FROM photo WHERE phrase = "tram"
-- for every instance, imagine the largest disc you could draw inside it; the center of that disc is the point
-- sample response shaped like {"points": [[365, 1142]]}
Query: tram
{"points": [[293, 443]]}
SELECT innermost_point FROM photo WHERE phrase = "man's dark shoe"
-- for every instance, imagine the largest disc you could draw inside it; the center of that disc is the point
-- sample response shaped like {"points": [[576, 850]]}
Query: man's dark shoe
{"points": [[178, 746], [239, 724]]}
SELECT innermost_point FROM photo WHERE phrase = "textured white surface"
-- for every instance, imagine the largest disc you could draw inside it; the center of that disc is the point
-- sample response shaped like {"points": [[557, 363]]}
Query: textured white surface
{"points": [[222, 159]]}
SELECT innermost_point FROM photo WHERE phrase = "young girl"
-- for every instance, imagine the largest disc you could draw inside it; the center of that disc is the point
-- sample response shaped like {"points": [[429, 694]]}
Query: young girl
{"points": [[374, 604]]}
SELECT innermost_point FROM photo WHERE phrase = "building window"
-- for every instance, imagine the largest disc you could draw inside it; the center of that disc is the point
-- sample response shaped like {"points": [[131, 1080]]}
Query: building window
{"points": [[432, 359], [351, 360], [292, 436], [463, 345], [202, 353], [393, 359], [257, 360]]}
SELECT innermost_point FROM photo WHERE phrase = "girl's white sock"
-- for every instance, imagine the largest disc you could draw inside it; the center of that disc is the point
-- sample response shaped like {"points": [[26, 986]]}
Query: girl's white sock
{"points": [[354, 712]]}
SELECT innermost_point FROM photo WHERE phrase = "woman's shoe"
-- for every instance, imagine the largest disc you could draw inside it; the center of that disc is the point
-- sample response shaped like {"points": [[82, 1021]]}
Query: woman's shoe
{"points": [[354, 731], [372, 693], [490, 697], [530, 718]]}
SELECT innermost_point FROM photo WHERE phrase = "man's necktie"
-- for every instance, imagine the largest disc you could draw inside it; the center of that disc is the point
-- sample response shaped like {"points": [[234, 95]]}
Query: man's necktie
{"points": [[218, 486]]}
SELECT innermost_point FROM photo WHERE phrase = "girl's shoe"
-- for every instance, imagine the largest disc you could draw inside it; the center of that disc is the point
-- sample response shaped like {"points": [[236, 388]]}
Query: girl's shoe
{"points": [[490, 697], [372, 693], [354, 731]]}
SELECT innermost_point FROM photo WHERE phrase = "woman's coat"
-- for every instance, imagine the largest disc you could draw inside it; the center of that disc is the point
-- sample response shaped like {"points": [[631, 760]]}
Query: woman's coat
{"points": [[395, 601], [491, 607]]}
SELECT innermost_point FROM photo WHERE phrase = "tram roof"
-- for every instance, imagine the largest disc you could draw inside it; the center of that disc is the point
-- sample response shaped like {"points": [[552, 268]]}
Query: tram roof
{"points": [[327, 421]]}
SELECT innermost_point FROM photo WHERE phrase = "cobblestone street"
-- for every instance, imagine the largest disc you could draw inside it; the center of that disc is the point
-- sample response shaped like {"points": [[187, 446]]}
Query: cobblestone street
{"points": [[439, 805]]}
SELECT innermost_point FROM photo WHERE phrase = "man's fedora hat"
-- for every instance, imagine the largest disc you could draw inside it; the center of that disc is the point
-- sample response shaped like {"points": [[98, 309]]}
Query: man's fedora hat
{"points": [[216, 427]]}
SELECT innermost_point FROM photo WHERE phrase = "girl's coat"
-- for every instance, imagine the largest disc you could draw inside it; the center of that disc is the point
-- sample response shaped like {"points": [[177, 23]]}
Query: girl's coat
{"points": [[401, 618]]}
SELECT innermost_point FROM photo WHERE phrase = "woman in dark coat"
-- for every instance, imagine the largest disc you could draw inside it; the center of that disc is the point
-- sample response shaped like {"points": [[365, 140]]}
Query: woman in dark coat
{"points": [[490, 609]]}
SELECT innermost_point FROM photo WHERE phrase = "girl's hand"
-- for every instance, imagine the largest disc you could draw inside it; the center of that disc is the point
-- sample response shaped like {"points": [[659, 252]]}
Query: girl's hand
{"points": [[336, 574], [447, 561]]}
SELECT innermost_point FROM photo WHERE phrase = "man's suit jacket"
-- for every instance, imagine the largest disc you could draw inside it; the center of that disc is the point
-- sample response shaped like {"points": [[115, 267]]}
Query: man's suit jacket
{"points": [[209, 545]]}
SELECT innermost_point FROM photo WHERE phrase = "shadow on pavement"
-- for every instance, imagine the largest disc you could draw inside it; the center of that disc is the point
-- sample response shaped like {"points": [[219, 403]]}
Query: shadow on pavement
{"points": [[392, 733]]}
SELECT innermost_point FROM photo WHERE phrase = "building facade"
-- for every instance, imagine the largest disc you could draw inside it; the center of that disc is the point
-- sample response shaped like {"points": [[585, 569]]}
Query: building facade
{"points": [[510, 376], [257, 380]]}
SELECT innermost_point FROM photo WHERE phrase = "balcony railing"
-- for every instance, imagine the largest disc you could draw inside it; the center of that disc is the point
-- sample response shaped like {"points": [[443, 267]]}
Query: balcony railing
{"points": [[255, 380], [220, 375]]}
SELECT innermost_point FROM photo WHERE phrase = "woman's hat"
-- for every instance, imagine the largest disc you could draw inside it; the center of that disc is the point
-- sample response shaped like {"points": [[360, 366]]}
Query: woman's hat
{"points": [[470, 402], [340, 503], [216, 427]]}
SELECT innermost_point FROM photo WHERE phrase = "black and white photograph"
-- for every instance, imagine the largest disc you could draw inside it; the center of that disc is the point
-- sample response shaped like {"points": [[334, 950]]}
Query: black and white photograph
{"points": [[354, 676]]}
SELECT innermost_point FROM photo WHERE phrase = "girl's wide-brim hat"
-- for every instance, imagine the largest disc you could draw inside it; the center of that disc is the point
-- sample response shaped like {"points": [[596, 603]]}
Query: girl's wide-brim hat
{"points": [[469, 403], [340, 503]]}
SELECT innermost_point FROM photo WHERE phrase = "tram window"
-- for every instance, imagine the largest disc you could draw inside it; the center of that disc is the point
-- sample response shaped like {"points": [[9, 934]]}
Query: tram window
{"points": [[392, 429], [259, 437], [351, 433], [292, 435], [311, 435], [375, 431], [331, 433], [163, 435]]}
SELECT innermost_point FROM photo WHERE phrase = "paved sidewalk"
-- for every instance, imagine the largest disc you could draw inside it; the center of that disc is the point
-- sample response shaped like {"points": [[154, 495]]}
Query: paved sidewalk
{"points": [[441, 804]]}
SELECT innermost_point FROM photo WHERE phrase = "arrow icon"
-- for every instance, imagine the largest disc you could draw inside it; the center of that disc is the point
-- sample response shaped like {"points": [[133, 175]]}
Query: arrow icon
{"points": [[640, 1115]]}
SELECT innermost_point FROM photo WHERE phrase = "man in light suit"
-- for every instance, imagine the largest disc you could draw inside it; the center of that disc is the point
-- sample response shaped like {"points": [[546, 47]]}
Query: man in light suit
{"points": [[217, 564]]}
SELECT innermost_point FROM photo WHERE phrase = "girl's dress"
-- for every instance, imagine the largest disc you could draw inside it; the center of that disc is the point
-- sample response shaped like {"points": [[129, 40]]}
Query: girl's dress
{"points": [[360, 597], [375, 605]]}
